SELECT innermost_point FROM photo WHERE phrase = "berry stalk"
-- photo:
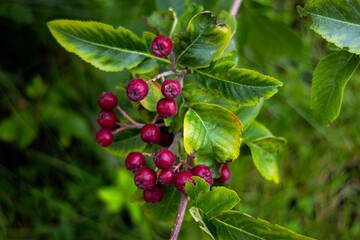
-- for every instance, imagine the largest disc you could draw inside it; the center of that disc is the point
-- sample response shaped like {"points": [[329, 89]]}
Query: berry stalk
{"points": [[179, 217]]}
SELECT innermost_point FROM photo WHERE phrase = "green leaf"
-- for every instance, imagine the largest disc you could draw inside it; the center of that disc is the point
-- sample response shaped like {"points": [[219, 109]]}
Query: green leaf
{"points": [[204, 40], [102, 45], [153, 97], [238, 85], [329, 80], [236, 225], [212, 131], [197, 95], [126, 141], [185, 18], [248, 114], [336, 21], [163, 22], [175, 123], [212, 202], [227, 18], [264, 150], [195, 213]]}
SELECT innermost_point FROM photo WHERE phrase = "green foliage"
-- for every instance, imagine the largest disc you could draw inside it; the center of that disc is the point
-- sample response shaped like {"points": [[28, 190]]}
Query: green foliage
{"points": [[329, 80], [203, 40], [153, 97], [238, 85], [213, 132], [336, 21]]}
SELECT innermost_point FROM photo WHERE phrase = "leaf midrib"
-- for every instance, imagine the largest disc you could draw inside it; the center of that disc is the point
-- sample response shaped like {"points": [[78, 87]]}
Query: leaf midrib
{"points": [[334, 19], [110, 47]]}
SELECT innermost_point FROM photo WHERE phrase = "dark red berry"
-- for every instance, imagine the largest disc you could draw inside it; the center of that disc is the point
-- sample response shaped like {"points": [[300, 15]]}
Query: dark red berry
{"points": [[203, 172], [161, 46], [108, 101], [164, 159], [145, 178], [171, 88], [137, 90], [166, 177], [181, 178], [153, 195], [134, 161], [166, 108], [225, 174], [104, 137], [150, 133], [166, 137], [107, 119]]}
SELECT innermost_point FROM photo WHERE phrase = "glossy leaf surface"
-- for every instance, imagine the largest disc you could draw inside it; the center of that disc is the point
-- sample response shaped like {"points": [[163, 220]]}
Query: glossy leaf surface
{"points": [[329, 80], [203, 41], [212, 131], [153, 97]]}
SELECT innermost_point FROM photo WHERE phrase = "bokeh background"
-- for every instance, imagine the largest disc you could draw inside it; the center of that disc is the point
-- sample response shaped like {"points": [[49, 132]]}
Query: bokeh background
{"points": [[57, 183]]}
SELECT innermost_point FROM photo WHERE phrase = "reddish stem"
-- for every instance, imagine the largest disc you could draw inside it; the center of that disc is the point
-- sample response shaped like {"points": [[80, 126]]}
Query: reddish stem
{"points": [[173, 64], [126, 116], [179, 217], [155, 118]]}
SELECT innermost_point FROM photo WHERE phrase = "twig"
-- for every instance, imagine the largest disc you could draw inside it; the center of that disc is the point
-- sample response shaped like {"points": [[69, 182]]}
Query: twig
{"points": [[176, 139], [126, 116], [164, 74], [155, 118], [235, 7], [173, 64], [179, 217]]}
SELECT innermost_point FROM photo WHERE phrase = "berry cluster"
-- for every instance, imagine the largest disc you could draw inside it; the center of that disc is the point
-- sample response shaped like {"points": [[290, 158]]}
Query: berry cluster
{"points": [[166, 172]]}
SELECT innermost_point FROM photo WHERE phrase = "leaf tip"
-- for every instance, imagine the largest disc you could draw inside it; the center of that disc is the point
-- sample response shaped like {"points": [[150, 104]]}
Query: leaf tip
{"points": [[301, 11]]}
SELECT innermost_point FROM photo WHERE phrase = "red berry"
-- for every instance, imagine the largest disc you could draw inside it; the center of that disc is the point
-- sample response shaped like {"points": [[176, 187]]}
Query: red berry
{"points": [[225, 174], [171, 88], [161, 46], [164, 159], [145, 178], [150, 133], [137, 90], [108, 101], [134, 161], [166, 108], [166, 137], [181, 178], [203, 172], [104, 137], [153, 195], [107, 119], [166, 177]]}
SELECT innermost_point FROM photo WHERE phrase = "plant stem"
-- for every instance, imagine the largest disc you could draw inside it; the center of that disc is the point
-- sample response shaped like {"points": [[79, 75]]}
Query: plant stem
{"points": [[155, 118], [173, 64], [126, 116], [176, 139], [179, 217], [164, 74], [235, 7]]}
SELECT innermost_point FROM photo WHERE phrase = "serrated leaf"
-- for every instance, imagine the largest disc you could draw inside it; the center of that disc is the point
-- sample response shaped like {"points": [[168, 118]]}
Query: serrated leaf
{"points": [[153, 97], [212, 202], [248, 114], [212, 131], [185, 18], [329, 80], [195, 213], [203, 41], [336, 21], [101, 45], [237, 225], [126, 141], [264, 150], [238, 85]]}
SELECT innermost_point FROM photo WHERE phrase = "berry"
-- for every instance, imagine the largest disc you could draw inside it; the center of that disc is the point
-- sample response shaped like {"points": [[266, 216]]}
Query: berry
{"points": [[137, 90], [225, 174], [161, 46], [107, 119], [108, 101], [150, 133], [181, 178], [153, 195], [166, 137], [164, 159], [145, 178], [166, 108], [134, 161], [166, 177], [104, 137], [203, 172], [171, 88]]}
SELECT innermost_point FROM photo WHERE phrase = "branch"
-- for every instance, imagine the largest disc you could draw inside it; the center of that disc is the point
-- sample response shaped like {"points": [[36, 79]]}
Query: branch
{"points": [[179, 217], [176, 139], [235, 7]]}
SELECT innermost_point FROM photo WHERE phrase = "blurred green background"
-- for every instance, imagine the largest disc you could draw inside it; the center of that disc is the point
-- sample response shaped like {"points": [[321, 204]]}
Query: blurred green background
{"points": [[57, 183]]}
